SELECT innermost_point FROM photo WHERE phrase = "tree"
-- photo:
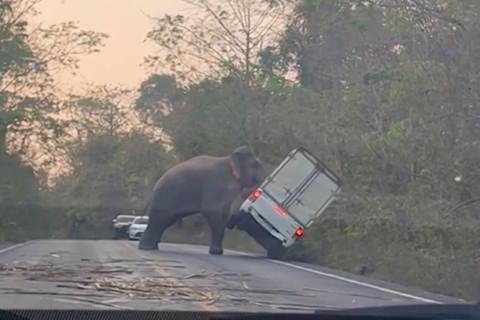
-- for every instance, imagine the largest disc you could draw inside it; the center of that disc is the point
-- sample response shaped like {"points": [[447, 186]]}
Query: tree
{"points": [[223, 48], [394, 82], [386, 94], [184, 114], [113, 162], [30, 57], [111, 175], [218, 39]]}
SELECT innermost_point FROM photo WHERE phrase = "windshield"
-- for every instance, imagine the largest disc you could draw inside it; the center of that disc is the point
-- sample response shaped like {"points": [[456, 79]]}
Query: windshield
{"points": [[114, 111], [141, 221]]}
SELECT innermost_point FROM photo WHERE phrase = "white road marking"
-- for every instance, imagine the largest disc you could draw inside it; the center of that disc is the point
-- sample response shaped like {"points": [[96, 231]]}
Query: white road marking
{"points": [[360, 283], [15, 246]]}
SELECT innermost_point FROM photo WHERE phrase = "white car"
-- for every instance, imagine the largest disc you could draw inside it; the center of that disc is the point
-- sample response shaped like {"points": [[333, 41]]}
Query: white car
{"points": [[121, 225], [137, 228]]}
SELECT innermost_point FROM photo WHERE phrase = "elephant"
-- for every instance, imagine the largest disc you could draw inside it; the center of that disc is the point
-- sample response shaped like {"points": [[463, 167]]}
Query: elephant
{"points": [[202, 184]]}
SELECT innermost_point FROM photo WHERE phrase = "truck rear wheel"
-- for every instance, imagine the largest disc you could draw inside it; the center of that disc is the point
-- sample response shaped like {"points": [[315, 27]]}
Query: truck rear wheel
{"points": [[276, 251]]}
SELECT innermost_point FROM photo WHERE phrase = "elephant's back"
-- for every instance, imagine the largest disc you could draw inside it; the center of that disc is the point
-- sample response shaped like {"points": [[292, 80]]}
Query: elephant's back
{"points": [[181, 187], [196, 168]]}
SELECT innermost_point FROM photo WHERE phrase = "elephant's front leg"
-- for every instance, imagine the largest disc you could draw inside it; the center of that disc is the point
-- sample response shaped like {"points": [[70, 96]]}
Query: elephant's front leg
{"points": [[217, 227]]}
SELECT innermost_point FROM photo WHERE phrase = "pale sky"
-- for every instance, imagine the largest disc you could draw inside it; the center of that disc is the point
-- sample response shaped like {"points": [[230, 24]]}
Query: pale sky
{"points": [[120, 59]]}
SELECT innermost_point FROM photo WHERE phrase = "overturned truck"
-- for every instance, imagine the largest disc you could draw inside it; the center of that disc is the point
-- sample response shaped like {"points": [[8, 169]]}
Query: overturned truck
{"points": [[286, 203]]}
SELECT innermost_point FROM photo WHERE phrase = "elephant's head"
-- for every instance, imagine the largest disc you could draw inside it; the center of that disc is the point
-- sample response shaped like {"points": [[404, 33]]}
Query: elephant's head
{"points": [[246, 167]]}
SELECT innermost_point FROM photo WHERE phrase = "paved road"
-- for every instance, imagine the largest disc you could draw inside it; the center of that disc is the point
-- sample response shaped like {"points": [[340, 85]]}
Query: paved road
{"points": [[108, 274]]}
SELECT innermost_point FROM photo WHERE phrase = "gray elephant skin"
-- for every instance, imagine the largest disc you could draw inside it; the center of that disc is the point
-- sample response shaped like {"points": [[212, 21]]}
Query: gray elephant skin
{"points": [[203, 184], [239, 200]]}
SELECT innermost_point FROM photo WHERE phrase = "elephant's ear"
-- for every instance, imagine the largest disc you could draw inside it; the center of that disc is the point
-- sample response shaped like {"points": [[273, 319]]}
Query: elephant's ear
{"points": [[235, 165]]}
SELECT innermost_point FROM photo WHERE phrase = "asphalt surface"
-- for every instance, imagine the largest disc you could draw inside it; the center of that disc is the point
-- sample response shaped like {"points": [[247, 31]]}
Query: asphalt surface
{"points": [[108, 274]]}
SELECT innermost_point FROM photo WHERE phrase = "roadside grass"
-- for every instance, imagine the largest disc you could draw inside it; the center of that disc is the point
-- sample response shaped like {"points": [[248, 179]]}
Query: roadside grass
{"points": [[440, 258]]}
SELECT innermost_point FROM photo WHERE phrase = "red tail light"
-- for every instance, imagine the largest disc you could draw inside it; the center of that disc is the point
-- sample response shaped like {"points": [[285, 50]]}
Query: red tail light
{"points": [[299, 232], [255, 195], [280, 210]]}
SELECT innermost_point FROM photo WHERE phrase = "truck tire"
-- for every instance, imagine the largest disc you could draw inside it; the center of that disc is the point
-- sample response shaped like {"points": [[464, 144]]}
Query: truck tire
{"points": [[235, 219], [276, 251]]}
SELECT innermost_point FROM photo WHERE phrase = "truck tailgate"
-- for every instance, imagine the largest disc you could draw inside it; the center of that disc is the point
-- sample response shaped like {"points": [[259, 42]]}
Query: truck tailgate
{"points": [[273, 218]]}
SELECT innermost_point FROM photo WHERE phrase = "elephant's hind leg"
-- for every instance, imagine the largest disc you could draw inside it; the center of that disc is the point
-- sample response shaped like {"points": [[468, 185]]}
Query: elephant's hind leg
{"points": [[157, 224], [149, 239]]}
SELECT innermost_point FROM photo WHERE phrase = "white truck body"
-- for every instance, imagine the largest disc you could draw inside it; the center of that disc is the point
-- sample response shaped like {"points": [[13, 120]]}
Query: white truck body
{"points": [[292, 196]]}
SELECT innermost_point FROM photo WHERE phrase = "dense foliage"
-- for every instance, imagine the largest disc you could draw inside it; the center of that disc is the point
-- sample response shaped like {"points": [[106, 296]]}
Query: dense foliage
{"points": [[385, 92]]}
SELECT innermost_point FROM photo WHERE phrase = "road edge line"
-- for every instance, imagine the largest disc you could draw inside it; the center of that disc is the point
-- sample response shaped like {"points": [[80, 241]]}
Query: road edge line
{"points": [[15, 246], [360, 283]]}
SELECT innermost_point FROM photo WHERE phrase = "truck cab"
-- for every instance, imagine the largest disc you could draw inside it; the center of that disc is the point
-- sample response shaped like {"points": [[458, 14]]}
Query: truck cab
{"points": [[286, 203]]}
